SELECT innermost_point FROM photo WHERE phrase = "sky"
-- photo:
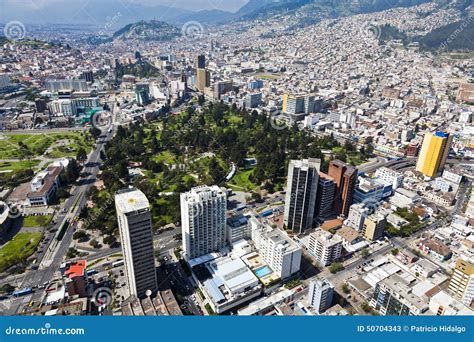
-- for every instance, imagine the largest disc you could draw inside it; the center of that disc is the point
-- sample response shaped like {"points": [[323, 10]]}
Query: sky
{"points": [[227, 5]]}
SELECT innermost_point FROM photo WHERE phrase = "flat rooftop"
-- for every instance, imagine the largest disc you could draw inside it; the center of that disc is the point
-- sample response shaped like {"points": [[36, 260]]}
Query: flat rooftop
{"points": [[130, 200]]}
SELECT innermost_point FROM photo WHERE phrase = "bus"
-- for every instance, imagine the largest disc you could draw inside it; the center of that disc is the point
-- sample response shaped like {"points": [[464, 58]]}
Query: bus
{"points": [[118, 263], [22, 292], [91, 272]]}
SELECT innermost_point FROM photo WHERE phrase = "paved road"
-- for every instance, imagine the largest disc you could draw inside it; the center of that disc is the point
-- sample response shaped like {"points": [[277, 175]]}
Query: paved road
{"points": [[52, 260]]}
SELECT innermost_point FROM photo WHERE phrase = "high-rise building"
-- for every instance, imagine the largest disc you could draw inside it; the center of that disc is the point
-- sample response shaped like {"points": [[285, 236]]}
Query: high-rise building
{"points": [[88, 76], [434, 153], [253, 100], [142, 93], [320, 295], [325, 247], [221, 88], [201, 62], [134, 221], [324, 196], [345, 177], [203, 79], [297, 106], [281, 253], [374, 226], [357, 215], [462, 282], [301, 190], [203, 220]]}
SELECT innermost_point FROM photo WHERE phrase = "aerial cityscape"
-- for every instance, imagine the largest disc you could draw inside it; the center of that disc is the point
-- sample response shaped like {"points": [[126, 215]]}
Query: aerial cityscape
{"points": [[249, 158]]}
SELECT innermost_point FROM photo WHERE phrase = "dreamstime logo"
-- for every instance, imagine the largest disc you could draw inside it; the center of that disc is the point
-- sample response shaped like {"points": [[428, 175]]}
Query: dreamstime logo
{"points": [[15, 209], [374, 30], [102, 120], [278, 123], [192, 30], [102, 296], [14, 30]]}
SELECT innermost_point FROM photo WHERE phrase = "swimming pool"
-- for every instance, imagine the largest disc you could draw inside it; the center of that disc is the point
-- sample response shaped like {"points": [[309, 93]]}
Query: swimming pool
{"points": [[263, 271]]}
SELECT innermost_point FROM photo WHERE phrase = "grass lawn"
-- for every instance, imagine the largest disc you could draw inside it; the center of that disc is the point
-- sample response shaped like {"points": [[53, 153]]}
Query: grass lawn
{"points": [[165, 157], [18, 166], [36, 221], [266, 76], [18, 249], [241, 181], [39, 143]]}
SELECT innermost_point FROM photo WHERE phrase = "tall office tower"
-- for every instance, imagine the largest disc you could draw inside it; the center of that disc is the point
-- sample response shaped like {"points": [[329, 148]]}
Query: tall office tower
{"points": [[434, 153], [301, 190], [345, 177], [324, 197], [374, 226], [201, 62], [203, 220], [88, 76], [203, 79], [134, 221], [462, 282], [320, 294], [297, 106]]}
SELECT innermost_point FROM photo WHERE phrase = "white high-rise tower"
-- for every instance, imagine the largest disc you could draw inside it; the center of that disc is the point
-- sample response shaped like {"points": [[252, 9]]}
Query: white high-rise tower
{"points": [[134, 221], [203, 220]]}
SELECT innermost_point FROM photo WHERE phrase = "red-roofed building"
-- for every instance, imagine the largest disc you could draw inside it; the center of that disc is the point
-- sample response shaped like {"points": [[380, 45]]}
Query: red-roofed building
{"points": [[75, 274]]}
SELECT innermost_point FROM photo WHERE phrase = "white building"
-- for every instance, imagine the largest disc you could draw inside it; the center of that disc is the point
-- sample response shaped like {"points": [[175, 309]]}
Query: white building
{"points": [[390, 177], [325, 246], [357, 215], [280, 252], [320, 295], [134, 221], [203, 220]]}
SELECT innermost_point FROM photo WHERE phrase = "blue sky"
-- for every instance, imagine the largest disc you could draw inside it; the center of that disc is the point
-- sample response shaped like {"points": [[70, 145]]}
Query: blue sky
{"points": [[228, 5]]}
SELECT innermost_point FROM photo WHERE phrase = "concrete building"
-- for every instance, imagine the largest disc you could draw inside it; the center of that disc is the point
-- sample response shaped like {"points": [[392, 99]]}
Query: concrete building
{"points": [[298, 106], [301, 191], [203, 220], [324, 196], [66, 84], [320, 295], [134, 221], [253, 100], [389, 176], [345, 177], [434, 153], [325, 247], [238, 228], [201, 62], [374, 226], [203, 79], [462, 282], [4, 81], [357, 215], [280, 252]]}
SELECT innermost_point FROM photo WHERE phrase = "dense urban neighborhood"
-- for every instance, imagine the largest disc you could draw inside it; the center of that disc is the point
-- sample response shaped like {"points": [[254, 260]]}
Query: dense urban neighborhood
{"points": [[287, 159]]}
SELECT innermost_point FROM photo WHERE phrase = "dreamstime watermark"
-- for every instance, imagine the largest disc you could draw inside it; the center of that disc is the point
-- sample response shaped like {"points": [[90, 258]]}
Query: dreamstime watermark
{"points": [[102, 119], [192, 31], [279, 123], [374, 30], [107, 28], [102, 297], [102, 209], [46, 330], [15, 209], [14, 30], [456, 32]]}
